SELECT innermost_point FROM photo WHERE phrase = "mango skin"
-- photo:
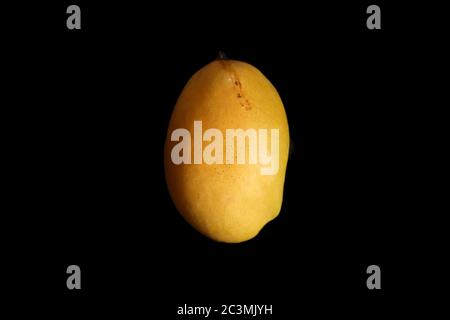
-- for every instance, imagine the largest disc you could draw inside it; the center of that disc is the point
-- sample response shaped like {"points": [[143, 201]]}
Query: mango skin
{"points": [[227, 202]]}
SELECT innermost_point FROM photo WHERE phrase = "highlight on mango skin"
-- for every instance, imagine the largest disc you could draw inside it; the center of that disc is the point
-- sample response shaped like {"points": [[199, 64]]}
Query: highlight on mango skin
{"points": [[226, 151]]}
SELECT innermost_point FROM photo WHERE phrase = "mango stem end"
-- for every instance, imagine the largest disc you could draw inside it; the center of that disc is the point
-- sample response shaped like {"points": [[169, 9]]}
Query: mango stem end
{"points": [[221, 56]]}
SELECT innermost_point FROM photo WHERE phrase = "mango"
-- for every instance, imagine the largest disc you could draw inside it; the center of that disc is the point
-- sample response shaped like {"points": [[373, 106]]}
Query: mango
{"points": [[226, 151]]}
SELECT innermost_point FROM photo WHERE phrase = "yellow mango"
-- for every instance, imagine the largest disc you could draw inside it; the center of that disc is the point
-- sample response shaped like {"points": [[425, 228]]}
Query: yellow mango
{"points": [[226, 151]]}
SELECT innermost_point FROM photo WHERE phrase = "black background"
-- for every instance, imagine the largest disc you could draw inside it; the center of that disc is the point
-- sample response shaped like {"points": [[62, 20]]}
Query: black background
{"points": [[93, 120]]}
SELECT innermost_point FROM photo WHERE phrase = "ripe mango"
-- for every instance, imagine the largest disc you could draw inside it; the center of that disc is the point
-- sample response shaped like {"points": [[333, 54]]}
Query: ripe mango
{"points": [[227, 200]]}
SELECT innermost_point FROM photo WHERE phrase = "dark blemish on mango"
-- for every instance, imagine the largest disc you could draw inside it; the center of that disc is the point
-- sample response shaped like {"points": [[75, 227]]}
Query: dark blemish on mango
{"points": [[244, 103], [247, 105]]}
